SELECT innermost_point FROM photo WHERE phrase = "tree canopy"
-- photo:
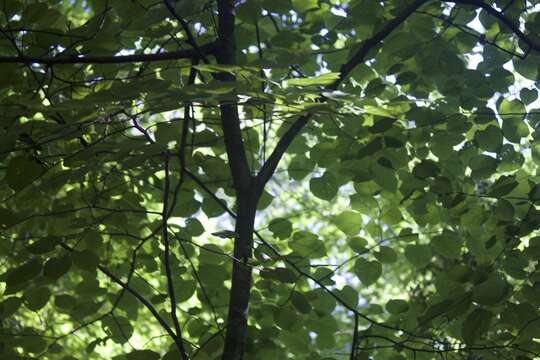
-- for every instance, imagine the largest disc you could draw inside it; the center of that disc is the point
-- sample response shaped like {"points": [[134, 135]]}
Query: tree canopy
{"points": [[269, 179]]}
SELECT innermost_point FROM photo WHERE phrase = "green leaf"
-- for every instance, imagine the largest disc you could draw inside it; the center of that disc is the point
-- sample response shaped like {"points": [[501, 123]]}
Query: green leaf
{"points": [[350, 222], [10, 306], [324, 187], [476, 325], [491, 291], [349, 296], [502, 186], [358, 244], [386, 255], [280, 274], [367, 271], [56, 267], [143, 355], [118, 328], [281, 228], [324, 79], [482, 166], [513, 112], [7, 219], [307, 244], [184, 289], [22, 171], [418, 255], [43, 246], [24, 273], [489, 139], [36, 298], [447, 244], [528, 95], [300, 302], [426, 169], [383, 176], [396, 306], [86, 260]]}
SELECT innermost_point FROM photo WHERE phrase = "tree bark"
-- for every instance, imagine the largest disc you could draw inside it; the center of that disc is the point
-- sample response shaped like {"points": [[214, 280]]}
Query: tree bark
{"points": [[240, 292], [247, 194]]}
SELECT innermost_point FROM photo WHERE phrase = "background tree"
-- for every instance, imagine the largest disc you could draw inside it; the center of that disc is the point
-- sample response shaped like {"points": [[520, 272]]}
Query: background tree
{"points": [[269, 179]]}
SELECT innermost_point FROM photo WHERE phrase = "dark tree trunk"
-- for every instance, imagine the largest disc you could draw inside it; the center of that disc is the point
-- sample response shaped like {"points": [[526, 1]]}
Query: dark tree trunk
{"points": [[241, 279]]}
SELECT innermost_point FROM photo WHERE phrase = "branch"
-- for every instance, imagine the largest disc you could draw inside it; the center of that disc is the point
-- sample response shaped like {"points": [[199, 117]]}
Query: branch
{"points": [[532, 44], [370, 43], [167, 260], [120, 59], [139, 297], [190, 38], [271, 164], [226, 55]]}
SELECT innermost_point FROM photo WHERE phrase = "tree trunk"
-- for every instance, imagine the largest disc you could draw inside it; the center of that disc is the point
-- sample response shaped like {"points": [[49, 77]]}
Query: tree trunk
{"points": [[241, 277]]}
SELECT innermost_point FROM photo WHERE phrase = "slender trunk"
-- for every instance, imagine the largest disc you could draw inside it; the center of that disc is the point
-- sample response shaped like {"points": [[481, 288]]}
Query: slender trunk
{"points": [[235, 339]]}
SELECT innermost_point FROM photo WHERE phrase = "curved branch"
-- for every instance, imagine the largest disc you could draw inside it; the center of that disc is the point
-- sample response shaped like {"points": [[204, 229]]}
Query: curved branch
{"points": [[178, 341], [271, 164], [532, 44]]}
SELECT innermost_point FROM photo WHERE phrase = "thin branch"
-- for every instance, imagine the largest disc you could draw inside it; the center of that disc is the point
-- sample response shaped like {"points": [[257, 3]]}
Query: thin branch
{"points": [[167, 260], [138, 296], [271, 164], [354, 345], [532, 44], [190, 38], [120, 59]]}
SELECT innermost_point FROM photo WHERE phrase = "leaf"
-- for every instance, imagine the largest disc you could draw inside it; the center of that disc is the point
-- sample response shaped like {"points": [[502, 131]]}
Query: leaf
{"points": [[143, 355], [350, 222], [386, 255], [418, 255], [513, 112], [194, 227], [184, 289], [367, 271], [324, 79], [447, 244], [384, 176], [476, 325], [118, 328], [502, 186], [22, 171], [482, 166], [7, 219], [426, 169], [56, 267], [285, 317], [358, 244], [10, 306], [396, 306], [280, 274], [490, 291], [489, 139], [349, 296], [324, 187], [43, 246], [24, 273], [281, 228], [300, 302], [86, 260], [36, 298], [307, 244], [226, 234]]}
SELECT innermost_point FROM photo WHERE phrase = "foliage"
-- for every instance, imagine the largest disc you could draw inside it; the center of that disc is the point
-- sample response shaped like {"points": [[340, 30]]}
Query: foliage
{"points": [[360, 174]]}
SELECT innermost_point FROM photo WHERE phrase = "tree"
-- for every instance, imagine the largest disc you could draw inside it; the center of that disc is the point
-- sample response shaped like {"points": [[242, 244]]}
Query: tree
{"points": [[269, 179]]}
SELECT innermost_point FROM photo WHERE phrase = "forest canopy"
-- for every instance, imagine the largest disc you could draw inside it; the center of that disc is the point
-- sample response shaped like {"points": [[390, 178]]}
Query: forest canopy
{"points": [[269, 179]]}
